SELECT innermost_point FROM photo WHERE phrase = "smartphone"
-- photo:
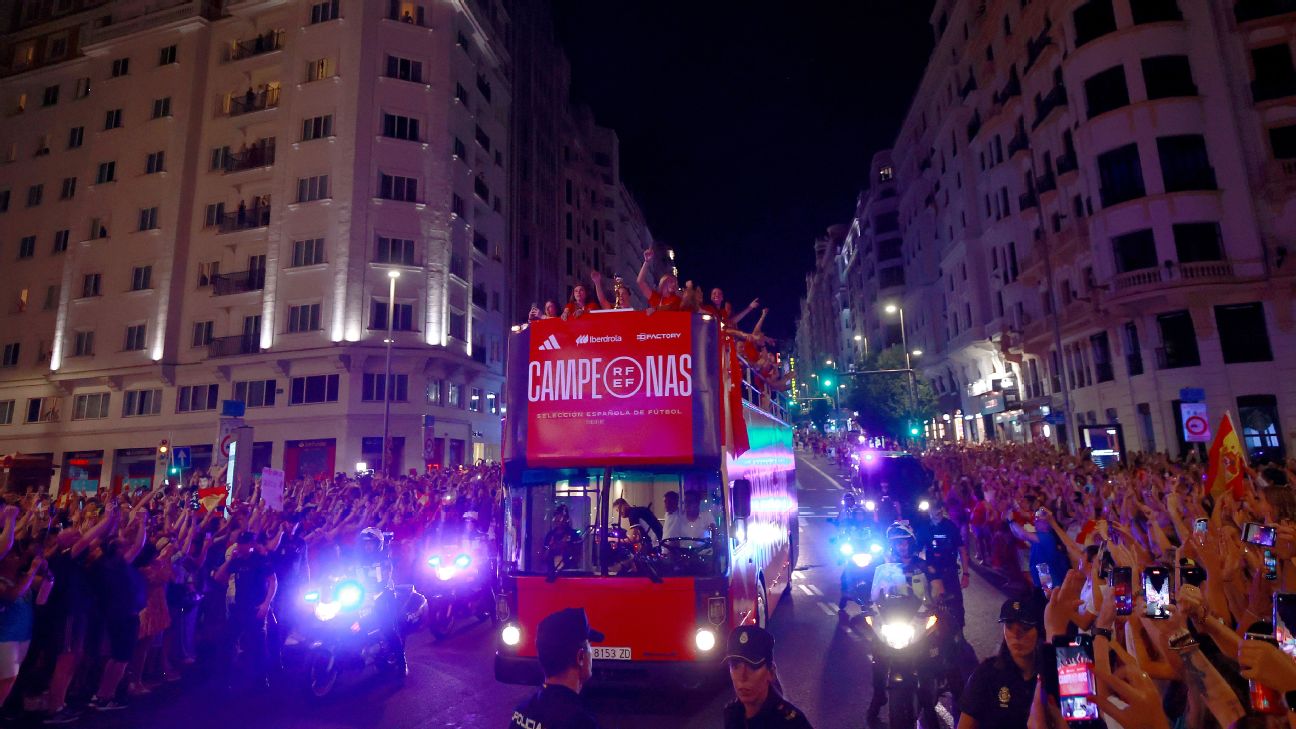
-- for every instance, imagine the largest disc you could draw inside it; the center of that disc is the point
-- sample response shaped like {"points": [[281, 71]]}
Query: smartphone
{"points": [[1259, 534], [1157, 592], [1075, 672], [1192, 575], [1270, 565], [1122, 582], [1199, 525], [1264, 700], [1284, 621]]}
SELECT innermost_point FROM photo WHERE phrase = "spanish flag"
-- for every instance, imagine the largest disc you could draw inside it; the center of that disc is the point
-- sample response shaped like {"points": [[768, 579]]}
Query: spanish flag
{"points": [[1227, 461]]}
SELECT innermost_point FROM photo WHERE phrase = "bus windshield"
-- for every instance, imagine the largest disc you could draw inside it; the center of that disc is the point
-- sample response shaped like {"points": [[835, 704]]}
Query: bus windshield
{"points": [[617, 522]]}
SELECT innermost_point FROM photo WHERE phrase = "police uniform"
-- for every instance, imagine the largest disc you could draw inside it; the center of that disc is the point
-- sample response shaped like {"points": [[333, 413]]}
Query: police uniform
{"points": [[755, 646], [559, 636], [944, 543], [997, 695]]}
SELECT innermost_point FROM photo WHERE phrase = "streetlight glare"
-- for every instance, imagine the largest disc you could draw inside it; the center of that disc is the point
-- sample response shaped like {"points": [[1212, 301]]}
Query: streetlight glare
{"points": [[917, 353], [892, 308], [858, 338], [393, 274], [828, 362]]}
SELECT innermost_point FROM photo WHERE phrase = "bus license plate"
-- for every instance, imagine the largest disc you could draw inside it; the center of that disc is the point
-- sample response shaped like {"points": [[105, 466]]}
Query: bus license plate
{"points": [[606, 653]]}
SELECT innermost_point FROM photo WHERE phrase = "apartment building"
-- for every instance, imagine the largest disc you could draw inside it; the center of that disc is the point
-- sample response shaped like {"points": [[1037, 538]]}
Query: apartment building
{"points": [[1095, 204], [206, 201]]}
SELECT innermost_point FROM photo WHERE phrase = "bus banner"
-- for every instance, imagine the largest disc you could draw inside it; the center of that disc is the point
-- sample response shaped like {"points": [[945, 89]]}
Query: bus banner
{"points": [[623, 390]]}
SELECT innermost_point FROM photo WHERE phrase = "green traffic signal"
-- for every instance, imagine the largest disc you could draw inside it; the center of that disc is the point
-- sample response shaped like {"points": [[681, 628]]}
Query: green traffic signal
{"points": [[827, 383], [913, 431]]}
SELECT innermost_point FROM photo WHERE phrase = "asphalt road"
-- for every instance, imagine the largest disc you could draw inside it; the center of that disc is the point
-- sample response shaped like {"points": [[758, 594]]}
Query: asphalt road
{"points": [[823, 664]]}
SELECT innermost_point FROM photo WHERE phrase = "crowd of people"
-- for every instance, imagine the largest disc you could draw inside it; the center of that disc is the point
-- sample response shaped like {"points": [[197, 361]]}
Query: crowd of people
{"points": [[105, 596]]}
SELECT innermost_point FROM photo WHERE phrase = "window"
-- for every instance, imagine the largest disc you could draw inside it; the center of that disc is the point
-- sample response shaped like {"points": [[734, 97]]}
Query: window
{"points": [[155, 163], [1093, 20], [317, 127], [312, 188], [1178, 341], [90, 285], [454, 395], [120, 67], [92, 406], [82, 88], [207, 272], [107, 173], [461, 40], [141, 402], [113, 119], [148, 218], [403, 321], [392, 187], [458, 326], [483, 139], [161, 107], [1121, 174], [42, 410], [1195, 242], [1275, 76], [1184, 163], [1243, 334], [400, 127], [255, 393], [319, 69], [1135, 251], [373, 390], [76, 137], [324, 11], [196, 398], [1106, 90], [1168, 76], [50, 97], [142, 278], [35, 194], [4, 201], [68, 190], [1101, 348], [308, 252], [474, 399], [135, 336], [458, 207], [461, 94], [1283, 141], [6, 412], [313, 389], [27, 246], [9, 357], [214, 214], [1261, 433], [202, 333], [167, 55], [83, 344], [304, 318], [395, 250], [492, 403], [1154, 11], [61, 238], [1133, 350], [404, 69]]}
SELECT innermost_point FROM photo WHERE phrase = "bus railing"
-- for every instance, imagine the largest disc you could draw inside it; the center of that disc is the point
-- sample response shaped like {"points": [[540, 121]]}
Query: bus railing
{"points": [[759, 392]]}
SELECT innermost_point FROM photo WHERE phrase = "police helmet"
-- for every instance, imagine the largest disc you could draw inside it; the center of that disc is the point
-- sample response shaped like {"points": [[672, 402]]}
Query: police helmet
{"points": [[849, 499], [371, 542], [900, 531]]}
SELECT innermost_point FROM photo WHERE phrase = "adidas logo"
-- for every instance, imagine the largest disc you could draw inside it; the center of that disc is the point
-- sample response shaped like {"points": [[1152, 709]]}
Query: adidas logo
{"points": [[550, 343], [582, 339]]}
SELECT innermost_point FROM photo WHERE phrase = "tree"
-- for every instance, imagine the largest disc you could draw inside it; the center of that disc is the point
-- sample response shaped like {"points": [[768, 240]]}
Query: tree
{"points": [[883, 399]]}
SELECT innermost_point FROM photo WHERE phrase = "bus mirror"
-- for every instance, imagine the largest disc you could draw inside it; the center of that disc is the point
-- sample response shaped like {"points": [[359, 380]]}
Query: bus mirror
{"points": [[740, 492]]}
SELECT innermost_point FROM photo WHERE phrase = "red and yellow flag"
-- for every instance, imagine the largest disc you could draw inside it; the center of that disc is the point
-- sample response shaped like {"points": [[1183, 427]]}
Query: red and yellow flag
{"points": [[1226, 469]]}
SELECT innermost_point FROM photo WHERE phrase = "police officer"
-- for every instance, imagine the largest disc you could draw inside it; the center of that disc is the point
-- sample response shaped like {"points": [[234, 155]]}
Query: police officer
{"points": [[563, 646], [1000, 691], [760, 703], [947, 552]]}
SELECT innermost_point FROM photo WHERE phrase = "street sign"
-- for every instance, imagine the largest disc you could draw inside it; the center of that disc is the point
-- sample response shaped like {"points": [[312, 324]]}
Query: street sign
{"points": [[1196, 424], [1192, 394], [182, 458]]}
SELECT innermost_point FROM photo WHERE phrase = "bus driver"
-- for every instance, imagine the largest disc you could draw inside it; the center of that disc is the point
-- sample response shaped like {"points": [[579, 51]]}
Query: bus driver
{"points": [[693, 522]]}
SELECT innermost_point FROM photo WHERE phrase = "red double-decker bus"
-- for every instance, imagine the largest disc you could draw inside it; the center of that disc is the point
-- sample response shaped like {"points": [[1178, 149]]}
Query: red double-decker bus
{"points": [[611, 417]]}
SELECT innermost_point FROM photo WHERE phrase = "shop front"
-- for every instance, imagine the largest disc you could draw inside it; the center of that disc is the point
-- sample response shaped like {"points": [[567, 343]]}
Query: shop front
{"points": [[133, 469], [82, 471], [371, 452], [308, 459]]}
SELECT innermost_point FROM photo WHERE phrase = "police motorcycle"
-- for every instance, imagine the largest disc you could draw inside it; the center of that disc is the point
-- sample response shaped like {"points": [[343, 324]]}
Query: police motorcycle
{"points": [[459, 581], [858, 551], [354, 619], [911, 642]]}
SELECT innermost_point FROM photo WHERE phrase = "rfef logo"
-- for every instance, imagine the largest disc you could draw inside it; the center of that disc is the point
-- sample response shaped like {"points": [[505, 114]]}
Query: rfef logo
{"points": [[669, 375]]}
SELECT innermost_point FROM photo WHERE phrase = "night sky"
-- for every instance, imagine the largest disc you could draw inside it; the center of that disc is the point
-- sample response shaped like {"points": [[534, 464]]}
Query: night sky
{"points": [[746, 129]]}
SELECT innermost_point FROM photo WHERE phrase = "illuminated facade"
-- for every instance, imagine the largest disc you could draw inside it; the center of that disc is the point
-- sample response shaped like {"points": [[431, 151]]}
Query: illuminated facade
{"points": [[204, 201]]}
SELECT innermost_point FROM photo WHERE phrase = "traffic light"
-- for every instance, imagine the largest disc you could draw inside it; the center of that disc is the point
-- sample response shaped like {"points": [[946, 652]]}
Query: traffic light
{"points": [[913, 430], [174, 471], [164, 447]]}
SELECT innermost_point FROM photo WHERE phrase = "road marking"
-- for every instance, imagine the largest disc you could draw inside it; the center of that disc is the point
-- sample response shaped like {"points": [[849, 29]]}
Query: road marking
{"points": [[851, 632], [815, 589], [821, 472], [804, 588], [829, 609]]}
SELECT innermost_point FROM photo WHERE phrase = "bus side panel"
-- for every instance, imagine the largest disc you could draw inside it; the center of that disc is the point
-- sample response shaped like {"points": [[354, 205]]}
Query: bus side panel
{"points": [[765, 546]]}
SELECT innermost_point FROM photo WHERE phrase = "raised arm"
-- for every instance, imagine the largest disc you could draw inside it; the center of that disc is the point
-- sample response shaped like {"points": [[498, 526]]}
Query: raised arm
{"points": [[753, 306], [644, 278], [598, 289]]}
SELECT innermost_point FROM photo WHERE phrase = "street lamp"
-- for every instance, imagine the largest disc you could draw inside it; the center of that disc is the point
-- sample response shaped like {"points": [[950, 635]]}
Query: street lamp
{"points": [[859, 337], [383, 464], [904, 343], [829, 363], [917, 353]]}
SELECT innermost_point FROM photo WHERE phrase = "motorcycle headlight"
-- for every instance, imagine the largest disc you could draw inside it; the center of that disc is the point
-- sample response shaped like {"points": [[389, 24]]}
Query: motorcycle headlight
{"points": [[924, 505], [511, 635], [704, 639], [862, 559], [446, 574], [350, 595], [327, 610], [870, 505], [312, 596], [846, 549], [462, 561], [434, 561], [897, 635], [875, 548]]}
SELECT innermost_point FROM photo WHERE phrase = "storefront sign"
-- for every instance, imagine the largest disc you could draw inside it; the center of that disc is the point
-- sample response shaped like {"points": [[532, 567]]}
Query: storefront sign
{"points": [[991, 403]]}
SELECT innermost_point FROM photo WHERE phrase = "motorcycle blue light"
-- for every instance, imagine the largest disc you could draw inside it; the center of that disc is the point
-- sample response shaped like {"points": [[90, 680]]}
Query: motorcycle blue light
{"points": [[462, 561], [847, 549], [312, 596], [434, 561], [350, 594]]}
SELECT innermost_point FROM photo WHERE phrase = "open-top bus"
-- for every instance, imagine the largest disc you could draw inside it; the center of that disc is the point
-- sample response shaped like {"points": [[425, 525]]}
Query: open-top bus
{"points": [[632, 406]]}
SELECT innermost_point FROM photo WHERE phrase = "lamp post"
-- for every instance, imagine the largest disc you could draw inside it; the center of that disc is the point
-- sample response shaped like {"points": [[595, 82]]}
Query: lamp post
{"points": [[904, 343], [383, 460]]}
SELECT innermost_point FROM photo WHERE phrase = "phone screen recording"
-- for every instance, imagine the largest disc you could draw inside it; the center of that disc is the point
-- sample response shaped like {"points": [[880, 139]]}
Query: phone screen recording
{"points": [[1156, 592], [1123, 590], [1259, 534], [1284, 621], [1075, 669]]}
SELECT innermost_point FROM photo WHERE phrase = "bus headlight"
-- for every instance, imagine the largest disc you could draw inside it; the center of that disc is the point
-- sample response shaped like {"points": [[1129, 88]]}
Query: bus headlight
{"points": [[846, 549], [862, 559], [510, 635], [870, 505], [705, 639], [924, 505]]}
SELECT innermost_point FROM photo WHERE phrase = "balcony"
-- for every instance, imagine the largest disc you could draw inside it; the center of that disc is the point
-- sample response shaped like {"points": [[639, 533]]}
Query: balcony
{"points": [[1019, 143], [1056, 98], [232, 346], [1036, 46], [1027, 200], [968, 87], [1277, 87], [253, 101], [1124, 193], [1066, 164], [1094, 20], [1141, 278], [1206, 271], [268, 42], [1248, 10], [246, 219], [1191, 180], [1046, 182], [1010, 89], [974, 126], [227, 284], [254, 157]]}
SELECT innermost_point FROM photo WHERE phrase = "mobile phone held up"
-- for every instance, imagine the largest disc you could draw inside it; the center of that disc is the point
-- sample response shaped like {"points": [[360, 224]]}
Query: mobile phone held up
{"points": [[1284, 621], [1192, 575], [1200, 525], [1264, 700], [1270, 565], [1075, 672], [1122, 582], [1259, 534], [1156, 592]]}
